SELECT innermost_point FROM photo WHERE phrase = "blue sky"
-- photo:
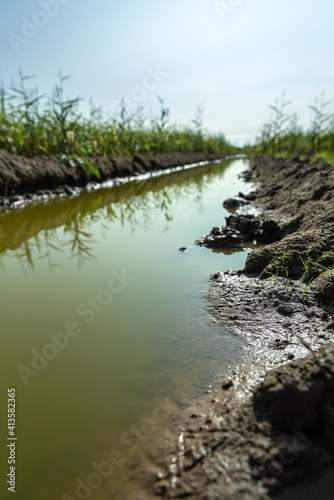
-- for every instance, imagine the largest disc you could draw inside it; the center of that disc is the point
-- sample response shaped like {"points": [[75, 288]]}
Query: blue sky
{"points": [[233, 56]]}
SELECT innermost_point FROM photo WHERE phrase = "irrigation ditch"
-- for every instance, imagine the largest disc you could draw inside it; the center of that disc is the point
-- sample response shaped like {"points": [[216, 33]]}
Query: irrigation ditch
{"points": [[267, 430]]}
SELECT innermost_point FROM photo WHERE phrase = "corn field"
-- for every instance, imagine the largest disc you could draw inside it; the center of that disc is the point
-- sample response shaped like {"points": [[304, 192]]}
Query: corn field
{"points": [[282, 135], [32, 124]]}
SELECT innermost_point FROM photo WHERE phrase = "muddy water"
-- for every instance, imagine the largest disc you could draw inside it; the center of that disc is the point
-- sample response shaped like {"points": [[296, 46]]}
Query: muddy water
{"points": [[102, 319]]}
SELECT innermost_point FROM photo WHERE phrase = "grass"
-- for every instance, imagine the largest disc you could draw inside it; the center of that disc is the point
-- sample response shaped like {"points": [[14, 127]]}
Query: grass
{"points": [[281, 267], [32, 124], [312, 263], [283, 136]]}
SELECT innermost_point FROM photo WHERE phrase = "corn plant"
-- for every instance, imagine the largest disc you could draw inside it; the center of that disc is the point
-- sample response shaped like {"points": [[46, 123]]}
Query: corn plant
{"points": [[283, 136], [320, 122], [32, 124], [274, 132], [25, 116]]}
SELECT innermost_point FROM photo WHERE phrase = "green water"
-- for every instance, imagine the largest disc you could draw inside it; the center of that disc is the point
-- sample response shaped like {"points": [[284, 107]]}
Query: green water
{"points": [[147, 337]]}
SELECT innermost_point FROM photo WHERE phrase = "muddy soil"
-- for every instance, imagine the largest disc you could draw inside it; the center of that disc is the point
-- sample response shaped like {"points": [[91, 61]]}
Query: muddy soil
{"points": [[25, 180], [276, 443], [266, 430], [296, 203]]}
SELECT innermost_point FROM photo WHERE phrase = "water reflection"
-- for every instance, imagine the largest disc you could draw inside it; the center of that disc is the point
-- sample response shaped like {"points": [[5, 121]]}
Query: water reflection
{"points": [[155, 340], [32, 233]]}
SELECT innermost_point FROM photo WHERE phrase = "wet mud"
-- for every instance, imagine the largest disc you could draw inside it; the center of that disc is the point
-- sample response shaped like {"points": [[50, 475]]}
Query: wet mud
{"points": [[265, 430]]}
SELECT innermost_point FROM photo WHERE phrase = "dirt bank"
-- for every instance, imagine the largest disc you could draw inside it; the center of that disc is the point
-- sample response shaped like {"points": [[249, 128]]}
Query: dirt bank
{"points": [[296, 217], [23, 180], [267, 431]]}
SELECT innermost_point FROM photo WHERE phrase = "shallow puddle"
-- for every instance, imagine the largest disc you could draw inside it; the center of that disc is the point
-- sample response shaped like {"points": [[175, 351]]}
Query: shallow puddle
{"points": [[103, 318]]}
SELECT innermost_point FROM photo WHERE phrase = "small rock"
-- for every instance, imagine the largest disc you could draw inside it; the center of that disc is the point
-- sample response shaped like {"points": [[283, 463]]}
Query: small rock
{"points": [[233, 317], [161, 487], [285, 309], [215, 276], [71, 190], [227, 384], [280, 344], [15, 198], [235, 202], [246, 175]]}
